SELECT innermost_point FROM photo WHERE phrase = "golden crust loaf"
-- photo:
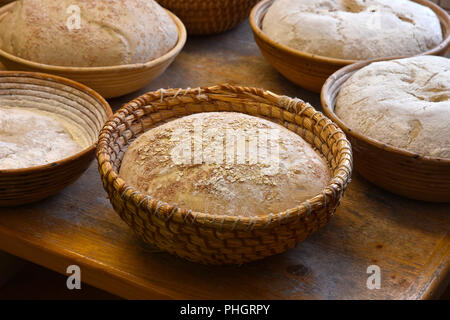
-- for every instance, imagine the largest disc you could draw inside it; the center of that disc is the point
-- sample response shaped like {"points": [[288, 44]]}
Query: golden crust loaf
{"points": [[110, 33], [272, 169]]}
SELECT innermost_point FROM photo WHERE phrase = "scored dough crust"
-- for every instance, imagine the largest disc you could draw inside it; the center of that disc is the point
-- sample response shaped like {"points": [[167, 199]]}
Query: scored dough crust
{"points": [[353, 29], [404, 103], [112, 32], [230, 187]]}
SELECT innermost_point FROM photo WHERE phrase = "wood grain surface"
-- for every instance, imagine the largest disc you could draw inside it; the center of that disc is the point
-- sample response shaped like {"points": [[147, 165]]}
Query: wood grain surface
{"points": [[409, 240], [33, 282]]}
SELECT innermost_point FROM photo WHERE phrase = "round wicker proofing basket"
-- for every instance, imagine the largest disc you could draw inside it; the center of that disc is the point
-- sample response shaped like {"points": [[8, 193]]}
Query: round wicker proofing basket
{"points": [[220, 239], [310, 71], [202, 17], [110, 81], [397, 170], [77, 104]]}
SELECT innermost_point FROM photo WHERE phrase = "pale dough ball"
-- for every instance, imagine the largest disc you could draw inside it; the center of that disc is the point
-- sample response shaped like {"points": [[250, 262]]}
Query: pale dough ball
{"points": [[30, 138], [111, 32], [404, 103], [353, 29]]}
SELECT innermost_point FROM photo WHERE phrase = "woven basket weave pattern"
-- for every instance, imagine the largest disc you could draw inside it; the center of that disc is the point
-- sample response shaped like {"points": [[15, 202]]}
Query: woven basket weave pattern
{"points": [[207, 16], [218, 239]]}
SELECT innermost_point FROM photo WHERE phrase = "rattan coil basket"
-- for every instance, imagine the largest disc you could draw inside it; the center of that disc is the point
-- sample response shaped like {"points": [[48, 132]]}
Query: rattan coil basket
{"points": [[76, 104], [202, 17], [220, 239]]}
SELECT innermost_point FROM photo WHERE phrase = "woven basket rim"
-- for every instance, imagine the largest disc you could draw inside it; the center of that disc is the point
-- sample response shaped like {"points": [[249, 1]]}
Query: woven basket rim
{"points": [[67, 82], [201, 3], [329, 104], [106, 167], [260, 10], [182, 37], [207, 17]]}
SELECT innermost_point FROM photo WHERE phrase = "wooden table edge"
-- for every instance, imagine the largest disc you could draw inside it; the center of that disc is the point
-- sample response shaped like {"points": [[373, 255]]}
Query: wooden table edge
{"points": [[92, 272], [440, 277], [437, 288], [129, 287]]}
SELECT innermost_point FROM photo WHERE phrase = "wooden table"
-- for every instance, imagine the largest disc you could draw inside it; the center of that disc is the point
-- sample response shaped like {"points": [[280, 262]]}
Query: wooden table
{"points": [[408, 240]]}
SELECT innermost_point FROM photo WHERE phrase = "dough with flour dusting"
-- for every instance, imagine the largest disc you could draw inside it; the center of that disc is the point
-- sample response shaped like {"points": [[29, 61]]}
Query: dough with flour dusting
{"points": [[30, 138], [110, 32], [353, 29], [404, 103], [273, 170]]}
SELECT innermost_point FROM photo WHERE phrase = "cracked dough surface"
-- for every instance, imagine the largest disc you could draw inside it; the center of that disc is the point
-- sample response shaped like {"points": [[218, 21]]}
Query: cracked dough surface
{"points": [[353, 29], [30, 138], [113, 32], [259, 177], [404, 103]]}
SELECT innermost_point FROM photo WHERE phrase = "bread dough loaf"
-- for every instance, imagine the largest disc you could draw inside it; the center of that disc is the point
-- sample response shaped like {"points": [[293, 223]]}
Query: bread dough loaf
{"points": [[30, 138], [112, 32], [404, 103], [353, 29], [215, 183]]}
